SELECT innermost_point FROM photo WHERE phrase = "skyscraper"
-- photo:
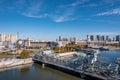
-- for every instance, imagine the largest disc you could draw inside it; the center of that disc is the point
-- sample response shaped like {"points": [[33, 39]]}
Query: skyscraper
{"points": [[107, 38], [8, 38], [118, 38], [60, 38], [102, 38], [98, 37], [88, 38], [91, 38]]}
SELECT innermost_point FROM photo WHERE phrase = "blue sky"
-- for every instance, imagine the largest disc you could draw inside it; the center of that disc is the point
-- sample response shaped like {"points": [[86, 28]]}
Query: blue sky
{"points": [[47, 19]]}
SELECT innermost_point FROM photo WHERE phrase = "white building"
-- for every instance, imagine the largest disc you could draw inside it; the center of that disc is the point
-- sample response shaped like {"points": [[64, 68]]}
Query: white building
{"points": [[13, 38], [8, 39], [62, 43]]}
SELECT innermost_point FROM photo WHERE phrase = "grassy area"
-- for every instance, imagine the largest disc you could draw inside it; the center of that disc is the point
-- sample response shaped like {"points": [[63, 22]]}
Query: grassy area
{"points": [[3, 55], [10, 54]]}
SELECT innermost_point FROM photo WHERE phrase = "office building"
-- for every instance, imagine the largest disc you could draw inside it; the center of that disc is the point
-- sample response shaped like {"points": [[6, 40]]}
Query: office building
{"points": [[102, 38], [118, 38], [60, 38], [7, 39], [91, 38], [98, 37], [107, 38]]}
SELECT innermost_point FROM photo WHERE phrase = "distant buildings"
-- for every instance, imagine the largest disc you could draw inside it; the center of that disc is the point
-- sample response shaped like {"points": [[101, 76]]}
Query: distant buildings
{"points": [[36, 43], [71, 39], [118, 38], [92, 38], [88, 38], [60, 38], [97, 37], [62, 41], [8, 39], [101, 38], [107, 38]]}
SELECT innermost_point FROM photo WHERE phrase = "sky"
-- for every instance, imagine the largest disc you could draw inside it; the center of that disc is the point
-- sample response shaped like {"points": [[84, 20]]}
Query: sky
{"points": [[48, 19]]}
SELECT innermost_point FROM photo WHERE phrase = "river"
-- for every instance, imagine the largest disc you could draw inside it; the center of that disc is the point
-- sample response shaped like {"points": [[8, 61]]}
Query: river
{"points": [[109, 56], [36, 72]]}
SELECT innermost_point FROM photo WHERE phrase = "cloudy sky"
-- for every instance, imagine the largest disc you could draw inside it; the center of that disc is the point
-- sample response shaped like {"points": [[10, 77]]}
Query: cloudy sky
{"points": [[44, 19]]}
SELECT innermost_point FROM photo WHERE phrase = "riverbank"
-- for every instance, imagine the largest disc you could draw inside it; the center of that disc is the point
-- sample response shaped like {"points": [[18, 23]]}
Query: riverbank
{"points": [[10, 62], [114, 48], [7, 55]]}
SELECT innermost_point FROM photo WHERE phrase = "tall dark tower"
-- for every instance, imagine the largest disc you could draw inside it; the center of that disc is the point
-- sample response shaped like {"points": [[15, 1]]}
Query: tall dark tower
{"points": [[60, 38], [17, 35], [87, 37], [98, 37], [91, 38], [107, 38], [118, 38], [102, 38]]}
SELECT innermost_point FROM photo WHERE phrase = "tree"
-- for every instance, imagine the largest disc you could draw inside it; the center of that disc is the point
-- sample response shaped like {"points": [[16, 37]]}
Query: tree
{"points": [[25, 54], [6, 46]]}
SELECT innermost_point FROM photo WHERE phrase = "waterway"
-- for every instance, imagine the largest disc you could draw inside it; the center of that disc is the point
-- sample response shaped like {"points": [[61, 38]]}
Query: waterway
{"points": [[109, 56], [36, 72]]}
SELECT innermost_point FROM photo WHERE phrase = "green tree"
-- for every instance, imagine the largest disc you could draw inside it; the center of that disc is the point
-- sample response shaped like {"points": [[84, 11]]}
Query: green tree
{"points": [[6, 46], [25, 54]]}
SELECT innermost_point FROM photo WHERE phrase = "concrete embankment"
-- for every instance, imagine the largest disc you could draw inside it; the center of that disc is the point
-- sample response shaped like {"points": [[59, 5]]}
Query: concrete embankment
{"points": [[5, 63]]}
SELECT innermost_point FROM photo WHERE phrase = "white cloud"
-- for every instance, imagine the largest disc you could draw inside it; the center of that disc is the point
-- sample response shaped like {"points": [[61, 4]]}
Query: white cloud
{"points": [[33, 10], [77, 2], [60, 14], [62, 18], [66, 15], [114, 11], [35, 16], [59, 19], [41, 9]]}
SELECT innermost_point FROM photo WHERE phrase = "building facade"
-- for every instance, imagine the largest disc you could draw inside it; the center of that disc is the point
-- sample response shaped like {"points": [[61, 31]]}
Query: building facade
{"points": [[7, 39], [118, 38]]}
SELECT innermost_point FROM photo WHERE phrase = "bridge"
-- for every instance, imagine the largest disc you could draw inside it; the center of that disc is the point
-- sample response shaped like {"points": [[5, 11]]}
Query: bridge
{"points": [[79, 67]]}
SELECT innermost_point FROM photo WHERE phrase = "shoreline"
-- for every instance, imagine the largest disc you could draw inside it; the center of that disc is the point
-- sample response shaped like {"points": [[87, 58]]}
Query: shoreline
{"points": [[114, 48], [6, 63]]}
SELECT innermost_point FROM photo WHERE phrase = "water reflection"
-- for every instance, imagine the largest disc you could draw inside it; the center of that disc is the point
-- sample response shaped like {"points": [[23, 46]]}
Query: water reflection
{"points": [[109, 56], [24, 70], [34, 72]]}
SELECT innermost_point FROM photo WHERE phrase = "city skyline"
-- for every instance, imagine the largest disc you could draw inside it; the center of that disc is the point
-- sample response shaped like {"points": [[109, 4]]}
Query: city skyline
{"points": [[45, 19]]}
